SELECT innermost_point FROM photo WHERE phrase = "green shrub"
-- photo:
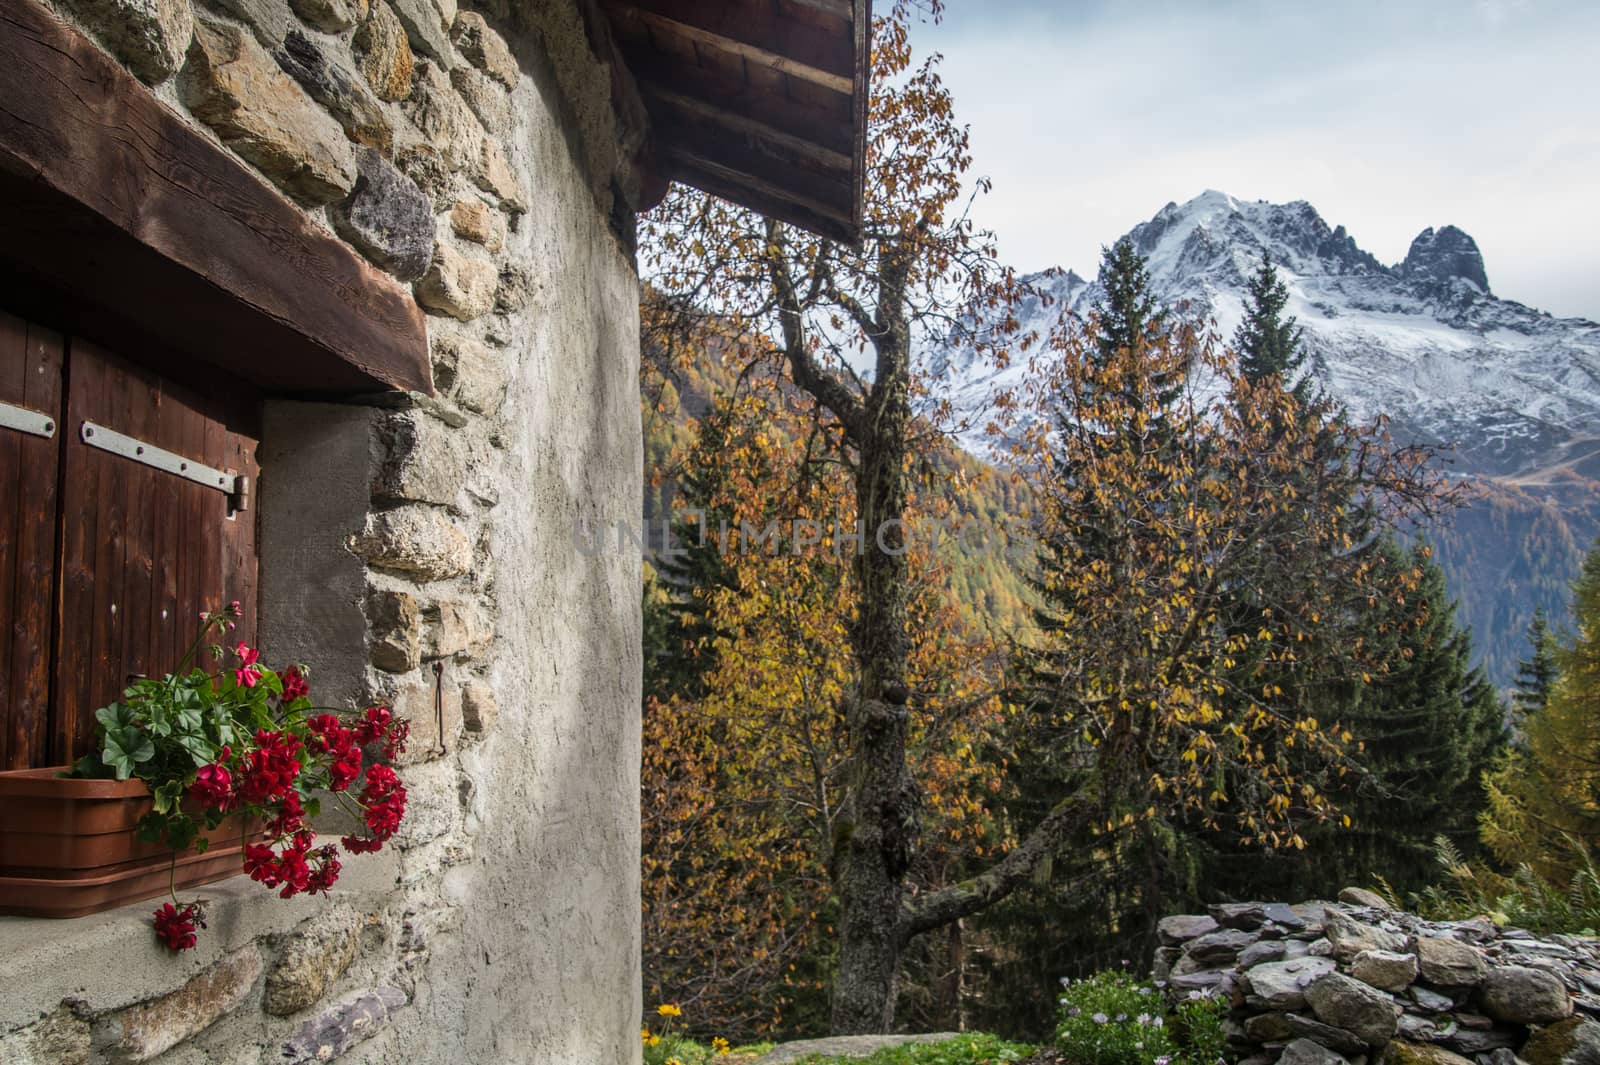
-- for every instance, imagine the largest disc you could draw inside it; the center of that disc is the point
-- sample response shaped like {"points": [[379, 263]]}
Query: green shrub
{"points": [[1113, 1019], [1198, 1028]]}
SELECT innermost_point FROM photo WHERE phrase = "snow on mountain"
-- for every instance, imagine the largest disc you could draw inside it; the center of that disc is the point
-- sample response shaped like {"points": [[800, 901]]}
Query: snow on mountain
{"points": [[1424, 341]]}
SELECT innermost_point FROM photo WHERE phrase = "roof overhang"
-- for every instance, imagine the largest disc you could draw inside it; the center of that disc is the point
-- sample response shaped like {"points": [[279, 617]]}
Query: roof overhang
{"points": [[760, 102]]}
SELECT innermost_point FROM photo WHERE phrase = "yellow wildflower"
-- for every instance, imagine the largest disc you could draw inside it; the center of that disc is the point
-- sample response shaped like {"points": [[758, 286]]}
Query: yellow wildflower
{"points": [[667, 1009], [720, 1045]]}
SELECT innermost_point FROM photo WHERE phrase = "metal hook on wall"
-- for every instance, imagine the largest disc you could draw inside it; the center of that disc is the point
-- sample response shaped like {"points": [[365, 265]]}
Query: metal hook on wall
{"points": [[438, 702]]}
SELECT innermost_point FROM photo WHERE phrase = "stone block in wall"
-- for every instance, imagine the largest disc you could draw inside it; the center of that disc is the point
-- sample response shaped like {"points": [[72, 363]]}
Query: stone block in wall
{"points": [[150, 36], [451, 626], [1350, 937], [459, 284], [418, 540], [425, 166], [1449, 962], [484, 48], [515, 289], [447, 13], [480, 709], [311, 959], [469, 372], [269, 20], [1401, 1052], [494, 175], [232, 85], [444, 118], [1574, 1041], [1385, 970], [489, 101], [394, 623], [419, 459], [474, 220], [1364, 1011], [59, 1038], [425, 29], [1520, 995], [333, 1032], [330, 16], [384, 53], [142, 1032], [339, 88], [387, 218], [415, 702]]}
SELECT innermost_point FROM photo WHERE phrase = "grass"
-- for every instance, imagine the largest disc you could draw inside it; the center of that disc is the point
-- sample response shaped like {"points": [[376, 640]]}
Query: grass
{"points": [[972, 1049]]}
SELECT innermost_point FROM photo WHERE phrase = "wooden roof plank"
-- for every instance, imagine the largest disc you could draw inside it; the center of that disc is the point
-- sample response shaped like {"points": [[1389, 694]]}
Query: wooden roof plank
{"points": [[740, 124], [781, 204], [798, 51]]}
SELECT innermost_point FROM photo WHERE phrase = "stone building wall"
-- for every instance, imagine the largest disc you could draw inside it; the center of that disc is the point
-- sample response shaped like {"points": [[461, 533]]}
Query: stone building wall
{"points": [[419, 546], [1355, 982]]}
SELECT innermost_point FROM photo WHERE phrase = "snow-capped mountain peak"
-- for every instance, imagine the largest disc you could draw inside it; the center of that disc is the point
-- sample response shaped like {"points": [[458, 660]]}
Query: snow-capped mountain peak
{"points": [[1424, 341]]}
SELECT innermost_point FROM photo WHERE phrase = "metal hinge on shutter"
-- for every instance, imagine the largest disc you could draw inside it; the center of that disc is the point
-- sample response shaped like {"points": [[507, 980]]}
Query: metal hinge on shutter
{"points": [[234, 486], [25, 420]]}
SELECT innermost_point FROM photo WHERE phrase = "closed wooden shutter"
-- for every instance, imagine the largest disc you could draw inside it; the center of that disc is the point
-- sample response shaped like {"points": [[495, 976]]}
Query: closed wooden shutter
{"points": [[135, 553], [30, 377]]}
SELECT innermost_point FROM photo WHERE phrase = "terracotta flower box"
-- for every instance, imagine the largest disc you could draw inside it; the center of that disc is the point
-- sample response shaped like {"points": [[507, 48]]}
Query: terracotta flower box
{"points": [[67, 847]]}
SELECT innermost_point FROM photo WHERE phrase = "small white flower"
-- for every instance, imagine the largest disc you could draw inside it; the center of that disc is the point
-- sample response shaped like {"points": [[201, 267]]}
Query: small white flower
{"points": [[1100, 1018]]}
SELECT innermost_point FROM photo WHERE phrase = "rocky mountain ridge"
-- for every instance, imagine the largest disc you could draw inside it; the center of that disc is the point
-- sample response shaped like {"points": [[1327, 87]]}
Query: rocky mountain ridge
{"points": [[1425, 342]]}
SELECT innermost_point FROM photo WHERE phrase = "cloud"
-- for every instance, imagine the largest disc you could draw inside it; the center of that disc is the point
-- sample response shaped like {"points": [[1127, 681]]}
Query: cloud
{"points": [[1388, 117]]}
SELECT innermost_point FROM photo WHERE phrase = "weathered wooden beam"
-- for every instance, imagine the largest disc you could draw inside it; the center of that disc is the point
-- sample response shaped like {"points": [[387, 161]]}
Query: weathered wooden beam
{"points": [[828, 127], [734, 122], [861, 94], [116, 209], [844, 9], [761, 195], [789, 48]]}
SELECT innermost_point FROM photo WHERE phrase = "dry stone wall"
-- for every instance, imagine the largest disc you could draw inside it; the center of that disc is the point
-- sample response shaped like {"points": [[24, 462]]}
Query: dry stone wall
{"points": [[417, 551], [1355, 982]]}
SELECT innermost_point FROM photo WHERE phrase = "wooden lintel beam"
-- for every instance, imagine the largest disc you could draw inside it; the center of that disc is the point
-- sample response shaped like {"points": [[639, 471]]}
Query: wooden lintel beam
{"points": [[737, 123], [102, 176], [721, 37]]}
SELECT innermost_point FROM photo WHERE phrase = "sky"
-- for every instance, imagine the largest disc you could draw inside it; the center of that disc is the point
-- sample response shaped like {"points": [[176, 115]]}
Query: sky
{"points": [[1388, 117]]}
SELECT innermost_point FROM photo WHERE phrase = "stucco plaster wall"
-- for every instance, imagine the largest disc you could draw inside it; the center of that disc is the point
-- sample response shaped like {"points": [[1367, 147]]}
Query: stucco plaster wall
{"points": [[502, 922]]}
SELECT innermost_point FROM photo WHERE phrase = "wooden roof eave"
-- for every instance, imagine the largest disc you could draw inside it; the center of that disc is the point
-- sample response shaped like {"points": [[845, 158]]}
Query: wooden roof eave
{"points": [[788, 139]]}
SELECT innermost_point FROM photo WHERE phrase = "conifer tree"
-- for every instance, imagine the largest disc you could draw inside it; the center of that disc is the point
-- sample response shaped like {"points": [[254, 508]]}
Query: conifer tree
{"points": [[692, 566], [1542, 797], [1268, 343], [1536, 675]]}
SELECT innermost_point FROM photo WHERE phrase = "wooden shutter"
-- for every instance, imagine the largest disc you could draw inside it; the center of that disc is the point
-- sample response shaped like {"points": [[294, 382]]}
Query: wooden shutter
{"points": [[30, 377], [144, 551], [106, 562]]}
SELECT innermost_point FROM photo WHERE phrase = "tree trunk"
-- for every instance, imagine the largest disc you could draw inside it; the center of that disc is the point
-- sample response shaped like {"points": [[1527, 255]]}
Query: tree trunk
{"points": [[879, 839]]}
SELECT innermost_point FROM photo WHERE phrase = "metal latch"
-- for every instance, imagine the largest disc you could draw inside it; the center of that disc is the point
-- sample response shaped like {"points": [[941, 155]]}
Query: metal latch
{"points": [[99, 436], [22, 419]]}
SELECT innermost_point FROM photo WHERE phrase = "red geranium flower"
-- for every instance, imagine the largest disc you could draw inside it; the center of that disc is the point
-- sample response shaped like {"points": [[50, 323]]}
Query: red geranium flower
{"points": [[248, 672], [176, 927], [213, 784], [294, 684]]}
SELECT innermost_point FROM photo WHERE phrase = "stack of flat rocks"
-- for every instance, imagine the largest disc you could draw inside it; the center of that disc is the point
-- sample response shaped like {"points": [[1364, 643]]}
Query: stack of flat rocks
{"points": [[1355, 982]]}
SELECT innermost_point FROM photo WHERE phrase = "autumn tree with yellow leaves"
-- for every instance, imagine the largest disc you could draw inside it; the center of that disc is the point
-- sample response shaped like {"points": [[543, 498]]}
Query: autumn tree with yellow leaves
{"points": [[1142, 661], [745, 765]]}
